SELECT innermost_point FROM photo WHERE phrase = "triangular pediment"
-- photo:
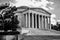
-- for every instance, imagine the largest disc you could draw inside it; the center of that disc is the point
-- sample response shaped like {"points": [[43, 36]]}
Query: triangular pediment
{"points": [[40, 10], [25, 8]]}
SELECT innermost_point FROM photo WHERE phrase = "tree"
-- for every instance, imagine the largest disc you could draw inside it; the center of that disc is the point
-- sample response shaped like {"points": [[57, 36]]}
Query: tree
{"points": [[8, 20]]}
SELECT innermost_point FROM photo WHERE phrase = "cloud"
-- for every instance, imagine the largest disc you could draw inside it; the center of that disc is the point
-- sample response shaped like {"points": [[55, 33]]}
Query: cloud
{"points": [[35, 3], [53, 15], [53, 19]]}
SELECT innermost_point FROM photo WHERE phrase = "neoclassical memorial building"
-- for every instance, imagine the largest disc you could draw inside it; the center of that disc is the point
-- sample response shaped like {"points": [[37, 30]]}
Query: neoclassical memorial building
{"points": [[34, 17]]}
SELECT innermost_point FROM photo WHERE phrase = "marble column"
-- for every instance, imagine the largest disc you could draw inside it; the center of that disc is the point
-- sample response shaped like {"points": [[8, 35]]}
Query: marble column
{"points": [[29, 19], [26, 20], [35, 21], [39, 21], [45, 22], [32, 20], [42, 21], [50, 23]]}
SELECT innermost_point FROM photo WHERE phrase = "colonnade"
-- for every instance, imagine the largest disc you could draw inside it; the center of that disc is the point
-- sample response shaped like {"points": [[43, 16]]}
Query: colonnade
{"points": [[37, 21]]}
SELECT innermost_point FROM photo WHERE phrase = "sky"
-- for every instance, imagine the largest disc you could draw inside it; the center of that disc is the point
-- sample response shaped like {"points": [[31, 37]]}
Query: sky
{"points": [[56, 7]]}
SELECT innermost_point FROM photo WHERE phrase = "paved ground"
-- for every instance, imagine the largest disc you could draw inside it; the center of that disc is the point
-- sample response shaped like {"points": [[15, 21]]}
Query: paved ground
{"points": [[37, 34], [31, 31], [38, 37]]}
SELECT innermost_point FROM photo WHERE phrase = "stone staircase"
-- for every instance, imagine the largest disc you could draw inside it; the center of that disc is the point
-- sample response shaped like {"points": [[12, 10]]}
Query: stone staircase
{"points": [[34, 31]]}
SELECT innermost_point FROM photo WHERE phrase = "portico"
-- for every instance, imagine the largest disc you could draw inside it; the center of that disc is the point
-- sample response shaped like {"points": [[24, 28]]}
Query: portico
{"points": [[37, 20]]}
